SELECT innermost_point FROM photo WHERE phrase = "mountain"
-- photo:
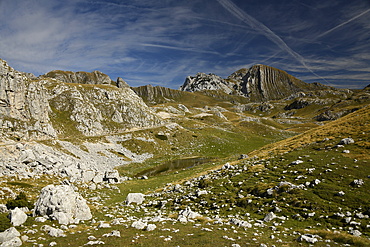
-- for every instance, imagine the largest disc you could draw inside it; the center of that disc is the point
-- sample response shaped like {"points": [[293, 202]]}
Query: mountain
{"points": [[213, 167], [58, 105], [258, 83], [81, 77]]}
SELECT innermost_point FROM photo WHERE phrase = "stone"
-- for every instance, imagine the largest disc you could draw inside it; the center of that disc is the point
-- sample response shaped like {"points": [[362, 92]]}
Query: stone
{"points": [[9, 234], [17, 217], [309, 238], [346, 141], [297, 162], [150, 227], [3, 208], [121, 83], [186, 214], [340, 193], [137, 198], [183, 108], [14, 242], [62, 203], [357, 182], [114, 233], [103, 225], [40, 219], [53, 232], [97, 242], [356, 233], [240, 223], [139, 225], [270, 216], [111, 176]]}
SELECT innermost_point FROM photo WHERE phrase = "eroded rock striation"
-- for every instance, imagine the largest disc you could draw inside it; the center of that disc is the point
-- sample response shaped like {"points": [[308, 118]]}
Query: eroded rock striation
{"points": [[258, 83]]}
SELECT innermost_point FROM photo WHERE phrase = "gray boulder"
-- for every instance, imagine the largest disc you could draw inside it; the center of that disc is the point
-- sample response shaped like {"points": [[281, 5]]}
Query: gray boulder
{"points": [[14, 242], [9, 234], [62, 203], [17, 217]]}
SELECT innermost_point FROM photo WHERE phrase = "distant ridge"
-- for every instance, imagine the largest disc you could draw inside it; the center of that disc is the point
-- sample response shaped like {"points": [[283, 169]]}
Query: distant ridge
{"points": [[258, 83]]}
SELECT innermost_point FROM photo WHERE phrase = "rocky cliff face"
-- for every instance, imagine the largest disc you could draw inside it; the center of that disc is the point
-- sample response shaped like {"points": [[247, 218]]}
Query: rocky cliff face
{"points": [[258, 83], [81, 77], [202, 81], [157, 94], [41, 108]]}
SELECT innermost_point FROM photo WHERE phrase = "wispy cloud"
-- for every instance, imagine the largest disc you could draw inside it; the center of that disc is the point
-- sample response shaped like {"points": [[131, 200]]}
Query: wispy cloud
{"points": [[264, 30], [344, 23], [162, 42]]}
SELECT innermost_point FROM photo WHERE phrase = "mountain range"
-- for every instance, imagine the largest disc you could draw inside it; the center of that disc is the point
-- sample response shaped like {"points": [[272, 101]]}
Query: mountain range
{"points": [[259, 158]]}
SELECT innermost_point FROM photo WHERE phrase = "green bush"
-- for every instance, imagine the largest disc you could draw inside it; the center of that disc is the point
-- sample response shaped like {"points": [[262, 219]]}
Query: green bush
{"points": [[20, 201], [4, 222]]}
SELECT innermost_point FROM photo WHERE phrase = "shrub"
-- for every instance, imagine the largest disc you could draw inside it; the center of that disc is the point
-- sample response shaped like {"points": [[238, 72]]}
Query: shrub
{"points": [[4, 222], [20, 201]]}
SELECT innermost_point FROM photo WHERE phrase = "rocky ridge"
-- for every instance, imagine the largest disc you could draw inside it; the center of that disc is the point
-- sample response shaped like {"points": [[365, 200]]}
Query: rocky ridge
{"points": [[41, 108], [258, 83]]}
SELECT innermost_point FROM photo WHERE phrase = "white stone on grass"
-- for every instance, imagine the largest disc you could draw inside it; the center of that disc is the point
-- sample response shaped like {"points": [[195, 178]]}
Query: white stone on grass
{"points": [[17, 217], [62, 203], [137, 198]]}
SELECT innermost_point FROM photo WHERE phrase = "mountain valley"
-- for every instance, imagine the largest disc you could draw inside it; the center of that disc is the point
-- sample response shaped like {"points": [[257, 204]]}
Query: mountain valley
{"points": [[260, 158]]}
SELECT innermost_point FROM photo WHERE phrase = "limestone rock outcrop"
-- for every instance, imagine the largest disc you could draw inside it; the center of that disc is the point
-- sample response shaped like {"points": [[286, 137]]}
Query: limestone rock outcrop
{"points": [[81, 77], [62, 203], [51, 107], [258, 83]]}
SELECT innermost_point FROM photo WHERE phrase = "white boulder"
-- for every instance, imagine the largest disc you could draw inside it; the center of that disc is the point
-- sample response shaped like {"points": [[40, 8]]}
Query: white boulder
{"points": [[62, 203], [139, 225], [8, 235], [17, 217], [137, 198]]}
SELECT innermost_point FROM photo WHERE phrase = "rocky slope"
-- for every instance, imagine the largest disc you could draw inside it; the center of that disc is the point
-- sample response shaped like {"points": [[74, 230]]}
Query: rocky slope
{"points": [[258, 83], [39, 108], [95, 77]]}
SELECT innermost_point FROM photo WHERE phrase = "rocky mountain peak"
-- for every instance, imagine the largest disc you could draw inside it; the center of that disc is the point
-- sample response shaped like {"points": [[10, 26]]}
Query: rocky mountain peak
{"points": [[258, 83], [41, 108]]}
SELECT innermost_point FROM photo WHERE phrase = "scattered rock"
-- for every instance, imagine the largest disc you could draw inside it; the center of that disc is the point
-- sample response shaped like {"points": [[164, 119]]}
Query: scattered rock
{"points": [[54, 232], [186, 214], [309, 238], [114, 233], [357, 182], [97, 242], [356, 233]]}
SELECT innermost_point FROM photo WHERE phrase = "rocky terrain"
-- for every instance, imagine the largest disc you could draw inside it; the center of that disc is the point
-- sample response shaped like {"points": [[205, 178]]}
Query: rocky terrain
{"points": [[257, 159], [258, 83]]}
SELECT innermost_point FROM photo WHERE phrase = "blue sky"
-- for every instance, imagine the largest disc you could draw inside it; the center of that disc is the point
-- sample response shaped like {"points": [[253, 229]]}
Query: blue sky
{"points": [[161, 42]]}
